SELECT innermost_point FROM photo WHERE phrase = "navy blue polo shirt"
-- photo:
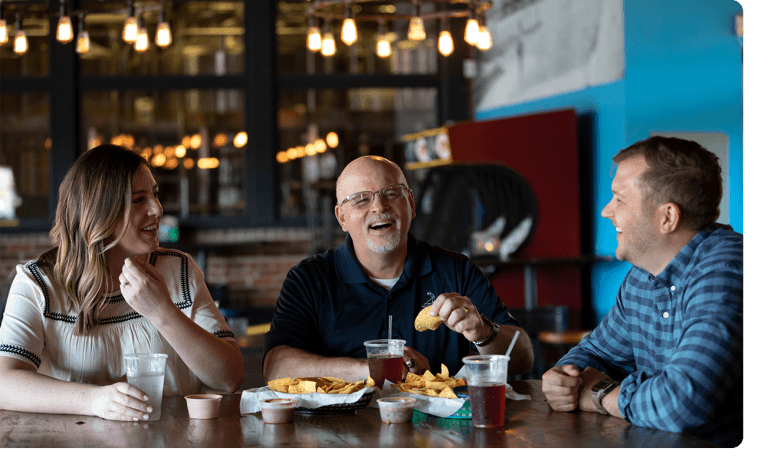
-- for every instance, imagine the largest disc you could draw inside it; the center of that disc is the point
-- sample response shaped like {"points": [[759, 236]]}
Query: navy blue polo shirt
{"points": [[329, 306]]}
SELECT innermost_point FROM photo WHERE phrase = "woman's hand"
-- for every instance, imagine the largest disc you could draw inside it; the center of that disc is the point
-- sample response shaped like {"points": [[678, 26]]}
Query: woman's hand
{"points": [[121, 402], [144, 288]]}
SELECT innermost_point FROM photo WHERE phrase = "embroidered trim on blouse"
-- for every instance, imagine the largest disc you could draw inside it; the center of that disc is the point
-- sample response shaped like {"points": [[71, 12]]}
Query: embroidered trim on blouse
{"points": [[185, 291], [22, 352], [223, 334]]}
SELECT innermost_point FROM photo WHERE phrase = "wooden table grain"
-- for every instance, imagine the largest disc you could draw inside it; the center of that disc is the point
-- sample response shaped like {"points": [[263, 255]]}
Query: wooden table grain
{"points": [[528, 424]]}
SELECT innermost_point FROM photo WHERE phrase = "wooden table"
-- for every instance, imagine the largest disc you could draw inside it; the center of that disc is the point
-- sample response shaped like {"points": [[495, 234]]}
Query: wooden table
{"points": [[528, 424]]}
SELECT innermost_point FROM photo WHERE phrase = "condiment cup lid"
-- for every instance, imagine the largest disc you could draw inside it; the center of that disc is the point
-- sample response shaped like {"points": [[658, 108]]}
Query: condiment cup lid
{"points": [[278, 403], [204, 396], [397, 401]]}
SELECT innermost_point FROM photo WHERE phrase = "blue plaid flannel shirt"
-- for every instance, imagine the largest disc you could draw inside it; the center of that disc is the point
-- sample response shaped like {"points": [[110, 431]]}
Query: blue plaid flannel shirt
{"points": [[676, 341]]}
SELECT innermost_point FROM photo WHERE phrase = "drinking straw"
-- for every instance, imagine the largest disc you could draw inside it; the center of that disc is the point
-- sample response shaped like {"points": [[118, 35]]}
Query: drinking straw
{"points": [[389, 333], [512, 344]]}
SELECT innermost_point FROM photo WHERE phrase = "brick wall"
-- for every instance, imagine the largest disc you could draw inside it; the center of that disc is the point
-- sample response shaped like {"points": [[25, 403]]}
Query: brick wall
{"points": [[252, 263]]}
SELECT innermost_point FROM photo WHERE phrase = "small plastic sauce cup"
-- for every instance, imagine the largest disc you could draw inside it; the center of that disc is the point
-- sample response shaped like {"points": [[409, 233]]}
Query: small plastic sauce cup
{"points": [[203, 406], [396, 409], [277, 410]]}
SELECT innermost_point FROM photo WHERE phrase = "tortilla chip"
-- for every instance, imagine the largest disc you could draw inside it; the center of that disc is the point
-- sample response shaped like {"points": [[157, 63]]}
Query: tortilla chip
{"points": [[424, 321], [428, 376], [280, 385], [447, 393], [444, 372]]}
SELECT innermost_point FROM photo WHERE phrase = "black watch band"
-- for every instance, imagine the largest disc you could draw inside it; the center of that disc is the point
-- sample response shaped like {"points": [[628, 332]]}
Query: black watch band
{"points": [[492, 335]]}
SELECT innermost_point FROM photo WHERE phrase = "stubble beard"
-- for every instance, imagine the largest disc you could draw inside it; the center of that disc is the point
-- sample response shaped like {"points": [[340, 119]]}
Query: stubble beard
{"points": [[386, 243]]}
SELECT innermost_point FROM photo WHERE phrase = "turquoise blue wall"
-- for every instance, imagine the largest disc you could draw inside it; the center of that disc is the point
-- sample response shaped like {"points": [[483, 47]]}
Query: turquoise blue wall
{"points": [[683, 74]]}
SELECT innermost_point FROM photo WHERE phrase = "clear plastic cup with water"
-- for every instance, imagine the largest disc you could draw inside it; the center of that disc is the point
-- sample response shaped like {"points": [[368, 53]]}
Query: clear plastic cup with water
{"points": [[147, 373]]}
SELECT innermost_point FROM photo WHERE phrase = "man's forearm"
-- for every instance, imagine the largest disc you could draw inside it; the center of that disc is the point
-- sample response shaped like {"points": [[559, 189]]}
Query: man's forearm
{"points": [[521, 358], [285, 361]]}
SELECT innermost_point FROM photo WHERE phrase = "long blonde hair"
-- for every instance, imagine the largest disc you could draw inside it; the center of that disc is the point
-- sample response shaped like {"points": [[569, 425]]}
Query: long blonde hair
{"points": [[95, 194]]}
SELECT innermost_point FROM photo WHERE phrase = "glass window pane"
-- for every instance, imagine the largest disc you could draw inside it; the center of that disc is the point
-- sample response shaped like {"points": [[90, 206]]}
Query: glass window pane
{"points": [[194, 140], [364, 121], [407, 57], [24, 156], [207, 39], [34, 62]]}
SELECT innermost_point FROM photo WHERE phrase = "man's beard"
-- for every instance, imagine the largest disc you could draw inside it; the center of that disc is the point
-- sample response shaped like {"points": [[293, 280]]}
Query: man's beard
{"points": [[385, 243]]}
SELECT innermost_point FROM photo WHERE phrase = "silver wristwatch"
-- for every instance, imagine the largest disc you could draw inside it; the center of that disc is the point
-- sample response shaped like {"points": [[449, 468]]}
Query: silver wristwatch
{"points": [[599, 391]]}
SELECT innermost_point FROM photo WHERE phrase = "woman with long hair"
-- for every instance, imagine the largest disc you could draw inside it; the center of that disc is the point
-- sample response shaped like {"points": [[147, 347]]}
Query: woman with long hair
{"points": [[105, 290]]}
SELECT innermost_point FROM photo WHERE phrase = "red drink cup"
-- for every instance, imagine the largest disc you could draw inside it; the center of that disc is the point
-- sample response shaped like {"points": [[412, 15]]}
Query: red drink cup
{"points": [[385, 360], [487, 381]]}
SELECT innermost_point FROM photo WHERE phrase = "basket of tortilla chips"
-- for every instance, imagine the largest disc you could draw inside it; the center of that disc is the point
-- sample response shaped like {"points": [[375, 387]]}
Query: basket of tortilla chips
{"points": [[318, 395], [439, 394]]}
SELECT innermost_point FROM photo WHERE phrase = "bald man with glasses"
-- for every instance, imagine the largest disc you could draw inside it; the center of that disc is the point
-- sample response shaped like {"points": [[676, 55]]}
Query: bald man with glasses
{"points": [[333, 302]]}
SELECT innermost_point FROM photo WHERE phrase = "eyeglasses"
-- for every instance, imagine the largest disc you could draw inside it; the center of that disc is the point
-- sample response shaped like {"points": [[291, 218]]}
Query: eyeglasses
{"points": [[364, 199]]}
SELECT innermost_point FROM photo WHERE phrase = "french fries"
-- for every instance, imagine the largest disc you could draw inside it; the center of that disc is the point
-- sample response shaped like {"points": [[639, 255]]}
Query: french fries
{"points": [[330, 385], [433, 385]]}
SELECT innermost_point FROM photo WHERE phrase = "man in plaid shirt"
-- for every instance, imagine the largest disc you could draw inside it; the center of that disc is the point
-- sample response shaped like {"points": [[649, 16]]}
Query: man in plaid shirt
{"points": [[673, 341]]}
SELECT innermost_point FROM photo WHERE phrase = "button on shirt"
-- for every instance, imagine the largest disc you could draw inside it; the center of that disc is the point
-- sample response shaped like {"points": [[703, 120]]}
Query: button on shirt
{"points": [[329, 306], [676, 341]]}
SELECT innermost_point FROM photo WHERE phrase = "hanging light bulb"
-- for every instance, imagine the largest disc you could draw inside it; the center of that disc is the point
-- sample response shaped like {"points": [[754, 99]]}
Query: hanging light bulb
{"points": [[142, 38], [329, 44], [383, 48], [3, 31], [131, 26], [348, 28], [416, 26], [163, 36], [83, 40], [484, 41], [64, 33], [445, 40], [314, 40], [3, 26], [20, 39], [472, 30]]}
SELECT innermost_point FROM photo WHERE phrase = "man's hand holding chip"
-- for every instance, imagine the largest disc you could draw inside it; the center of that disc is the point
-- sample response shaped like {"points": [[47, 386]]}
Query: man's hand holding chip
{"points": [[460, 315]]}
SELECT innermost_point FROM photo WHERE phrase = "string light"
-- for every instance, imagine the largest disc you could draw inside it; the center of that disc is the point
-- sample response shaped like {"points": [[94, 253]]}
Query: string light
{"points": [[64, 33], [131, 26], [329, 44], [20, 38], [132, 30], [383, 48], [3, 26], [142, 38], [332, 139], [472, 30], [240, 140], [83, 40], [348, 28], [163, 36], [445, 40], [416, 25], [352, 14]]}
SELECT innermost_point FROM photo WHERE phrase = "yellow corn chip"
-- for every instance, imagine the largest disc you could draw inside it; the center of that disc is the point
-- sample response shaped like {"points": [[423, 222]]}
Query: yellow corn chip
{"points": [[424, 321], [428, 376], [280, 385], [447, 393], [444, 371]]}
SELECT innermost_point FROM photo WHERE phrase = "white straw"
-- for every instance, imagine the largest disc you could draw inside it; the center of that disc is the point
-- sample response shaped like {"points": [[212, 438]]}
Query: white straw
{"points": [[512, 344]]}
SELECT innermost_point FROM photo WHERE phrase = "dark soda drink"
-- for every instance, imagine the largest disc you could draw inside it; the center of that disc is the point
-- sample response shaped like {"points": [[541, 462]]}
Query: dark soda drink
{"points": [[487, 403], [385, 366]]}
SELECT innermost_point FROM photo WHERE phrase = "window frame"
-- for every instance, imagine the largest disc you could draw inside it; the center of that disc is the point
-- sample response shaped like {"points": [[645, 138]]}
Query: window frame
{"points": [[262, 173]]}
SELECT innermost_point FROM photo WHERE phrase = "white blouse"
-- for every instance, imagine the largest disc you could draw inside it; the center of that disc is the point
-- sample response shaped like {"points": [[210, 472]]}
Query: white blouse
{"points": [[37, 329]]}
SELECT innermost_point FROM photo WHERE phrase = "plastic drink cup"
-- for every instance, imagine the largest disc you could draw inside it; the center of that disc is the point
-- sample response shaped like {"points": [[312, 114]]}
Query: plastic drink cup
{"points": [[147, 373], [486, 384], [385, 360]]}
